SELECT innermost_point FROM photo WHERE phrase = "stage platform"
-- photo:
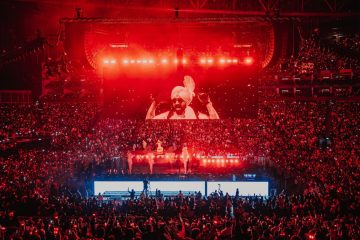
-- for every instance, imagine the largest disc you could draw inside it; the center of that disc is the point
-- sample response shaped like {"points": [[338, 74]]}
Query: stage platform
{"points": [[121, 188]]}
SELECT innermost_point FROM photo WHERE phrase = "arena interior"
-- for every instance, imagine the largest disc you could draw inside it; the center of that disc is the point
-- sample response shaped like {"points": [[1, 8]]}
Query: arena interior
{"points": [[168, 119]]}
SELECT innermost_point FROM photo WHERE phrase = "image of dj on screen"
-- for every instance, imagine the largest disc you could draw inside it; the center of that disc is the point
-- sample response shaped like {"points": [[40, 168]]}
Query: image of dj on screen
{"points": [[181, 97]]}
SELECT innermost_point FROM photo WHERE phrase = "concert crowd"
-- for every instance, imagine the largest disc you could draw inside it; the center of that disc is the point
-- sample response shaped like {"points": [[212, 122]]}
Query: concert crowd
{"points": [[50, 151]]}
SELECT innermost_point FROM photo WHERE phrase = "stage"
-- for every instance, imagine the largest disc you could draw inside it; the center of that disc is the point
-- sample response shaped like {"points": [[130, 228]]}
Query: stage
{"points": [[121, 189]]}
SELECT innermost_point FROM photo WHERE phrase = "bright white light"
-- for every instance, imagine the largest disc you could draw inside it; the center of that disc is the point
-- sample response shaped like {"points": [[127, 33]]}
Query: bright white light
{"points": [[117, 187], [173, 187], [151, 61], [235, 60], [125, 61], [164, 61], [245, 188], [222, 60], [202, 60], [210, 60], [113, 61], [145, 61], [106, 61]]}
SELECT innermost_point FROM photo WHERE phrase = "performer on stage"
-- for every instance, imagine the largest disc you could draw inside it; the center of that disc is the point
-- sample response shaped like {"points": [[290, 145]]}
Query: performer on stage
{"points": [[181, 97], [130, 161], [159, 148], [151, 161], [185, 158]]}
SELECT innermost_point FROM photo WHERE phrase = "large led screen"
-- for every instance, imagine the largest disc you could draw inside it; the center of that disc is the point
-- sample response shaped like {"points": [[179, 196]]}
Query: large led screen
{"points": [[173, 187], [117, 187], [245, 188], [194, 71]]}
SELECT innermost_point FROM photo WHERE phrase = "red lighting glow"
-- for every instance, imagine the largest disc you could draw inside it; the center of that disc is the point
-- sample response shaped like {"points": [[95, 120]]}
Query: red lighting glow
{"points": [[248, 60], [109, 61], [163, 60]]}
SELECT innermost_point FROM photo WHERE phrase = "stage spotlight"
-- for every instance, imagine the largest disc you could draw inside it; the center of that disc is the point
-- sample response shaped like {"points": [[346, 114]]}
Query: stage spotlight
{"points": [[248, 60], [228, 61], [112, 61], [234, 60], [125, 61], [184, 61], [222, 61], [164, 61], [210, 60], [151, 61], [106, 61], [202, 60]]}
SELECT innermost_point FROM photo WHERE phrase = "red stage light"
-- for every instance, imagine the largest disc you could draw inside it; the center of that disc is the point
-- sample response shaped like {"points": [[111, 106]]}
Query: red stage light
{"points": [[164, 61], [222, 61], [228, 61], [112, 61], [202, 60], [144, 61], [125, 61], [210, 60], [184, 61], [132, 61], [248, 60], [151, 61], [234, 60], [176, 61], [106, 61]]}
